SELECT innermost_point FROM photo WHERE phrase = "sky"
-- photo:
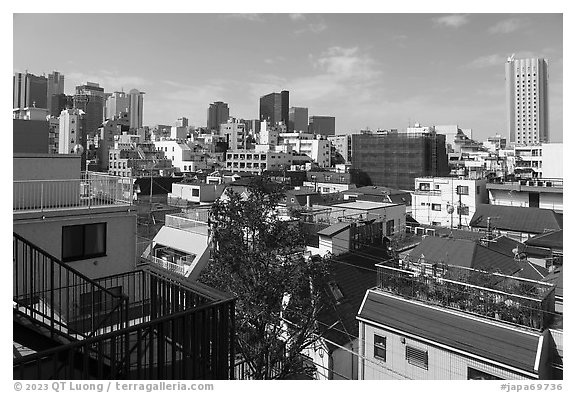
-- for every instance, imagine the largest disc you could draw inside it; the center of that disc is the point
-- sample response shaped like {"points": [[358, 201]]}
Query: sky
{"points": [[368, 70]]}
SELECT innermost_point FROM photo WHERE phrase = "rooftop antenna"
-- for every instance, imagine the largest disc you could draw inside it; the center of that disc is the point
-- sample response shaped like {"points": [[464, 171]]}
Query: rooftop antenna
{"points": [[511, 58]]}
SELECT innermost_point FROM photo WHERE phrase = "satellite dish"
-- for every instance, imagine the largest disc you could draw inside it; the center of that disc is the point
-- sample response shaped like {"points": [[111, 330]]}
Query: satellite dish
{"points": [[78, 149]]}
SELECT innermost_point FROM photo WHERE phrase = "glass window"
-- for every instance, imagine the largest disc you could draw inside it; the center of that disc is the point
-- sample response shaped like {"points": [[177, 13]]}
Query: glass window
{"points": [[436, 207], [83, 241], [380, 347]]}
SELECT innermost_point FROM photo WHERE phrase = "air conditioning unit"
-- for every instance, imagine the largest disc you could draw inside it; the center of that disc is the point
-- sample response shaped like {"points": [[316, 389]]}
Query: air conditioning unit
{"points": [[548, 184]]}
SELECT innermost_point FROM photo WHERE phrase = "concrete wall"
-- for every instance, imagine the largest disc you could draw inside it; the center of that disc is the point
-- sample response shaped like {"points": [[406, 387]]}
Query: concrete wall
{"points": [[46, 167], [120, 240], [552, 160], [30, 136], [554, 201], [442, 364]]}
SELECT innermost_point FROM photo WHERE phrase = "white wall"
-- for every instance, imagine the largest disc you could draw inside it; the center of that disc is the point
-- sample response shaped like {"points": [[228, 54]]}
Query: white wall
{"points": [[120, 240], [552, 160], [442, 364]]}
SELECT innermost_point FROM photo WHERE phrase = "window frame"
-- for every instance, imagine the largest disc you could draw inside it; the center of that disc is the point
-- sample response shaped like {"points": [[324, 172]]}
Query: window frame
{"points": [[380, 346], [66, 257]]}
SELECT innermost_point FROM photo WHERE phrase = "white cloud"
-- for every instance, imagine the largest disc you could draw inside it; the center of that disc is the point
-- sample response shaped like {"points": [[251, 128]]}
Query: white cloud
{"points": [[507, 26], [297, 17], [109, 80], [316, 26], [454, 20]]}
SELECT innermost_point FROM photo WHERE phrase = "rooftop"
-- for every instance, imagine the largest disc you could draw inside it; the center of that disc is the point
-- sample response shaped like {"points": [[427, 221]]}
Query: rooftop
{"points": [[497, 343], [365, 205], [519, 219], [554, 239]]}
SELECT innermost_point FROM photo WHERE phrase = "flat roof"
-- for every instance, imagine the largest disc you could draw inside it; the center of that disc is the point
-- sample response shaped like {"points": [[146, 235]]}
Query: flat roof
{"points": [[513, 347], [365, 205]]}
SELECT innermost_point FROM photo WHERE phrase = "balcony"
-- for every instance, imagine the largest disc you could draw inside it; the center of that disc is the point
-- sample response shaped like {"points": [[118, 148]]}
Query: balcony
{"points": [[143, 324], [513, 300], [93, 190], [428, 192]]}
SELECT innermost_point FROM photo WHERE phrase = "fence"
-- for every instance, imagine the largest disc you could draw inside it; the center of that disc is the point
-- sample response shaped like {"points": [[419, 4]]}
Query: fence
{"points": [[509, 299], [92, 190]]}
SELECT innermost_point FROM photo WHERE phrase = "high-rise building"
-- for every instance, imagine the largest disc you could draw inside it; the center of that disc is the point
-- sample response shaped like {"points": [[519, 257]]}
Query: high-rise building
{"points": [[90, 98], [54, 88], [218, 113], [394, 159], [117, 103], [29, 91], [274, 107], [527, 100], [323, 125], [136, 108], [298, 119], [72, 135]]}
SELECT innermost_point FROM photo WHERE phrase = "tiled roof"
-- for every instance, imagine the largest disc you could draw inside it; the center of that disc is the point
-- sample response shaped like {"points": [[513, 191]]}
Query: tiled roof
{"points": [[547, 240], [556, 277], [354, 273], [518, 219], [513, 347], [465, 253]]}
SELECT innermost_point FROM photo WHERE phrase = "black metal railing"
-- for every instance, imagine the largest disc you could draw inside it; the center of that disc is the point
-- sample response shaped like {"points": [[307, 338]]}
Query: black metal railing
{"points": [[46, 289], [144, 324], [192, 344]]}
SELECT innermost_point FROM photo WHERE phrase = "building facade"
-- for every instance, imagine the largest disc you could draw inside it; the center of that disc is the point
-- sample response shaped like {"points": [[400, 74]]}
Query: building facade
{"points": [[29, 90], [218, 113], [274, 107], [90, 98], [323, 125], [298, 119], [341, 146], [54, 88], [527, 100], [395, 159], [136, 100], [117, 103], [256, 161], [447, 201]]}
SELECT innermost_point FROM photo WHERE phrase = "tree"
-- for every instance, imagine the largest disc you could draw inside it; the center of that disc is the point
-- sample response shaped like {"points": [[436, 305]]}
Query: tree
{"points": [[259, 258]]}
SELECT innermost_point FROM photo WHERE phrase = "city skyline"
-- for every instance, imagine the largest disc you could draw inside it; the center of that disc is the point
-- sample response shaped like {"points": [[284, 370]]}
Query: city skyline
{"points": [[367, 70]]}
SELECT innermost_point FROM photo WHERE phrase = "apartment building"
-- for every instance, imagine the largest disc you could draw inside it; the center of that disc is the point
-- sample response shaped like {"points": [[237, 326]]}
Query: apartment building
{"points": [[447, 201], [257, 161]]}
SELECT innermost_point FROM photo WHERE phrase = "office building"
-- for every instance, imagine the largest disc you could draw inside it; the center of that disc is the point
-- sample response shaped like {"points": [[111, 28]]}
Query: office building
{"points": [[218, 113], [136, 108], [274, 108], [117, 103], [395, 159], [323, 125], [90, 98], [54, 88], [340, 148], [29, 91], [298, 119], [527, 100], [72, 137]]}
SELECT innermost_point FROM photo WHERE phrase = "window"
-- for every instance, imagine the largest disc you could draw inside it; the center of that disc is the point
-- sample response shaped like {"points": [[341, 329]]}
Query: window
{"points": [[424, 187], [480, 375], [463, 210], [195, 192], [380, 347], [417, 357], [390, 228], [462, 190], [436, 207], [83, 241]]}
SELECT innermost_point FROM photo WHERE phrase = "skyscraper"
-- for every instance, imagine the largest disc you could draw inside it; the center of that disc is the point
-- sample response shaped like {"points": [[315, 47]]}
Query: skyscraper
{"points": [[29, 91], [218, 113], [274, 108], [298, 119], [527, 100], [54, 88], [323, 125], [136, 99], [90, 99], [117, 103]]}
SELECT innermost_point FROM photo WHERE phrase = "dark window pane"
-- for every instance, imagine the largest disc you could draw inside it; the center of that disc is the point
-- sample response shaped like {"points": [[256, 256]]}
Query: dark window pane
{"points": [[95, 239], [72, 241]]}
